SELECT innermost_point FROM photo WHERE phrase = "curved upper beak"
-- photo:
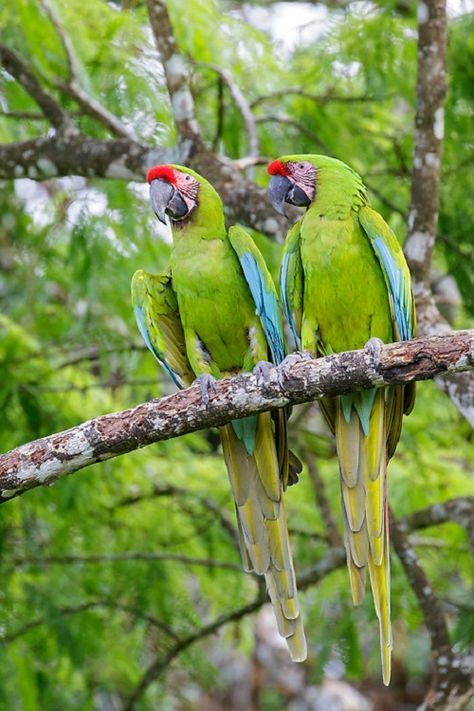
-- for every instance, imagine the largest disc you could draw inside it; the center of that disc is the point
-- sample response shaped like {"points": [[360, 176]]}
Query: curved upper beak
{"points": [[278, 190], [161, 193], [167, 200]]}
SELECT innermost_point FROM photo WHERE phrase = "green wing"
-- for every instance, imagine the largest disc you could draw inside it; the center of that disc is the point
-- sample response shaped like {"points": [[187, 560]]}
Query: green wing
{"points": [[262, 289], [157, 314], [395, 270], [291, 282]]}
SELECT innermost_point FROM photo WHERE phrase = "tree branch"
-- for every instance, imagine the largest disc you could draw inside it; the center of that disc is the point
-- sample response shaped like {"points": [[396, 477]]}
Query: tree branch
{"points": [[162, 662], [45, 460], [333, 560], [242, 105], [176, 72], [57, 156], [403, 7], [328, 98], [27, 115], [288, 121], [125, 159], [72, 87], [53, 157], [431, 89], [86, 607], [58, 117], [72, 63], [216, 509], [333, 535], [459, 510], [113, 382], [100, 558], [244, 201], [453, 683]]}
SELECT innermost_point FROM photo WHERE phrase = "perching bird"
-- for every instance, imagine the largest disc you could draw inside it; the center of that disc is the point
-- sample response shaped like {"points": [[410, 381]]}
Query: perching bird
{"points": [[214, 314], [344, 281]]}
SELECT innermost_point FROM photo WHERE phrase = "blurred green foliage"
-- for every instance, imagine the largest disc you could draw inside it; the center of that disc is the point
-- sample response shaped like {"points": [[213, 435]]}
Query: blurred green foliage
{"points": [[79, 635]]}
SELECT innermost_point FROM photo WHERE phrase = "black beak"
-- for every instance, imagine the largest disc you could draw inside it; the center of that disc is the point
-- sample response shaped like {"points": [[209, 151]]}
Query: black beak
{"points": [[297, 196], [281, 190], [166, 200], [278, 190]]}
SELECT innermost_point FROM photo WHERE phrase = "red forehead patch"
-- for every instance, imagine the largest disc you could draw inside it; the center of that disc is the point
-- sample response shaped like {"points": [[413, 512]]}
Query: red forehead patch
{"points": [[276, 167], [161, 172]]}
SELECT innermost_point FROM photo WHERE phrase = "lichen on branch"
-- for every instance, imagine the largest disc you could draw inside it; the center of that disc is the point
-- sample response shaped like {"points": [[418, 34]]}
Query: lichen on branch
{"points": [[296, 380]]}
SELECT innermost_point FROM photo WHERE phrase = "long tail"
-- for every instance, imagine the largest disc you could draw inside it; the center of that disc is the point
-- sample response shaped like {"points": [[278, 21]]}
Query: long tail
{"points": [[362, 440], [264, 541]]}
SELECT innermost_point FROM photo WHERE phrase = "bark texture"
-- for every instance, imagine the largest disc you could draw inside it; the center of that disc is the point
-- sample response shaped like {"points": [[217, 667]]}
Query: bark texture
{"points": [[296, 380], [453, 679], [57, 156], [431, 89]]}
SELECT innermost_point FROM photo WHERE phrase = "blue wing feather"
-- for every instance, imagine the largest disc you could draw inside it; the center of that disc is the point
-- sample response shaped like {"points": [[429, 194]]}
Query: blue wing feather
{"points": [[395, 269], [396, 284], [284, 298], [262, 289], [266, 306]]}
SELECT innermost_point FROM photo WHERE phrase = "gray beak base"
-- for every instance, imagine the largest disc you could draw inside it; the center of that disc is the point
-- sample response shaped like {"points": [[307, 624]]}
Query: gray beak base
{"points": [[278, 190], [161, 193]]}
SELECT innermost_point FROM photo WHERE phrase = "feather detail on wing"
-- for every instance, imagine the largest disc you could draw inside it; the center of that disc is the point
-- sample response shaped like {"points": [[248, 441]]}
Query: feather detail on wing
{"points": [[291, 283], [262, 289], [402, 303], [395, 270], [157, 315], [264, 542]]}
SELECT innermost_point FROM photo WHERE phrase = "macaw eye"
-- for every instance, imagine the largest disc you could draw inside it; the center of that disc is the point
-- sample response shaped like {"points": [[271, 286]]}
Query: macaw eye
{"points": [[301, 165], [187, 177]]}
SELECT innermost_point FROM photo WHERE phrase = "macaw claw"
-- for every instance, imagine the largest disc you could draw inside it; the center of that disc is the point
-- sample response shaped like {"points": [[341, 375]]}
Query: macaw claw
{"points": [[374, 348], [290, 360], [262, 372], [296, 357], [207, 385]]}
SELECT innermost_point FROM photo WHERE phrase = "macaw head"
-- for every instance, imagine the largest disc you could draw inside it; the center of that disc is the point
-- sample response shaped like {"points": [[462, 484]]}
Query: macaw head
{"points": [[298, 180], [293, 181], [174, 191]]}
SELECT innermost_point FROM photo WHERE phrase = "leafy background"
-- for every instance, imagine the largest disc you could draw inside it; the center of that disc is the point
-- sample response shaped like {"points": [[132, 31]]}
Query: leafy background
{"points": [[76, 634]]}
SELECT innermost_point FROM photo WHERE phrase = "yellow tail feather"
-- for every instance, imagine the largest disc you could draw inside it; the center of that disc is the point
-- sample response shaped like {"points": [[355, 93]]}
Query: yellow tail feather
{"points": [[297, 643], [356, 578], [363, 464], [380, 582], [257, 483]]}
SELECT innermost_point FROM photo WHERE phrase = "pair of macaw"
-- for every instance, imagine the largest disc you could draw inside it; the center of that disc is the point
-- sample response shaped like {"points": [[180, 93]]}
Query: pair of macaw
{"points": [[344, 281]]}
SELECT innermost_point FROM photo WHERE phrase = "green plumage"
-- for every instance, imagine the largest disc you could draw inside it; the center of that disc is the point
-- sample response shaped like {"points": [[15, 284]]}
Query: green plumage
{"points": [[344, 281], [217, 313]]}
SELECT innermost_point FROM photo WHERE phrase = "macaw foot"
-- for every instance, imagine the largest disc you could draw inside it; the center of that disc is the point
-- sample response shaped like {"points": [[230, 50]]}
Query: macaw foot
{"points": [[262, 372], [290, 360], [374, 348], [207, 385], [295, 357]]}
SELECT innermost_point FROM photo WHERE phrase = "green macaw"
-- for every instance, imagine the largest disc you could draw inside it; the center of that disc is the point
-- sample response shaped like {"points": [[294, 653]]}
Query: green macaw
{"points": [[344, 285], [213, 314]]}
